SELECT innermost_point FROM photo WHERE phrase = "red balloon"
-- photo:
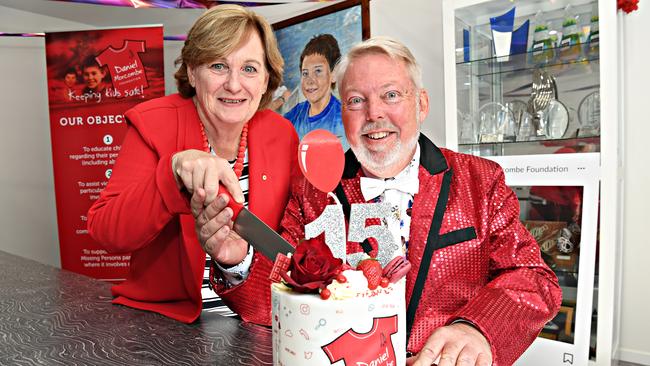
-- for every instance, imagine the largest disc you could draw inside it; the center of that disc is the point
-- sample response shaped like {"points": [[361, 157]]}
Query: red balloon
{"points": [[321, 159]]}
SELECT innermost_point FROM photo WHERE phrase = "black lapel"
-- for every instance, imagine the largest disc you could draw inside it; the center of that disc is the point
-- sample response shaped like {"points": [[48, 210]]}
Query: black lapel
{"points": [[431, 158], [433, 242], [352, 165]]}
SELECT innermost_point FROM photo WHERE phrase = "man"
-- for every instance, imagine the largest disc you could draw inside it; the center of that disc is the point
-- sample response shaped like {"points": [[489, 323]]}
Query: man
{"points": [[478, 292]]}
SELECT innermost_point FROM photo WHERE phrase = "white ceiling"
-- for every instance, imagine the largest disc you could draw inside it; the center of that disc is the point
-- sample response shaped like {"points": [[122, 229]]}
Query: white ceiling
{"points": [[175, 21]]}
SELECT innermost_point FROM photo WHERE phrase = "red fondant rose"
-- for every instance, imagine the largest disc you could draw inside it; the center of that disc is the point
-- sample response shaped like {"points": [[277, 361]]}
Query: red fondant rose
{"points": [[312, 266]]}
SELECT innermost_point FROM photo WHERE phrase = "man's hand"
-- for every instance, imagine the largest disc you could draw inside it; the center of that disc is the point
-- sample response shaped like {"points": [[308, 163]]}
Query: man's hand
{"points": [[214, 229], [459, 344]]}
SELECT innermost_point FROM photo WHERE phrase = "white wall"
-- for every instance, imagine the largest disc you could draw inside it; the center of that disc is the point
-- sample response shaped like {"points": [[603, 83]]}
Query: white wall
{"points": [[635, 317], [27, 214], [27, 209], [19, 21], [172, 49], [418, 24]]}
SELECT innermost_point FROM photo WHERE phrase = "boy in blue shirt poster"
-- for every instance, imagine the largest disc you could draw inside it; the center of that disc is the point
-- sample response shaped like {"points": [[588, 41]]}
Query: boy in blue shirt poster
{"points": [[321, 109]]}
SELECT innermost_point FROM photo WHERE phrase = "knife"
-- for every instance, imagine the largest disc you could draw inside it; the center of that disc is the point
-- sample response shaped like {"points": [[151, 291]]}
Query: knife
{"points": [[255, 231]]}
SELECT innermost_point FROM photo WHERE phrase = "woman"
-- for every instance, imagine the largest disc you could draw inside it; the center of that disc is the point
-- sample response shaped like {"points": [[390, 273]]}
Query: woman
{"points": [[176, 151]]}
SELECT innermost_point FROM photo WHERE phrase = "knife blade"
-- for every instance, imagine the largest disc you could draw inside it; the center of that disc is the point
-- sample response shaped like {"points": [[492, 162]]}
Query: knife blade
{"points": [[255, 231]]}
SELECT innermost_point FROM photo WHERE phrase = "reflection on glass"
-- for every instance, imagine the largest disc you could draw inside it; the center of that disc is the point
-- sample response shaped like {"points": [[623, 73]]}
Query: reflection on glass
{"points": [[542, 50], [589, 115], [527, 130], [511, 129], [593, 40], [557, 119], [496, 123], [570, 48], [467, 132], [553, 216]]}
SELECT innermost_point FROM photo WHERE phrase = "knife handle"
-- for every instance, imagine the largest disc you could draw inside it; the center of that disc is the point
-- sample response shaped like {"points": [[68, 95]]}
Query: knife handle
{"points": [[234, 205]]}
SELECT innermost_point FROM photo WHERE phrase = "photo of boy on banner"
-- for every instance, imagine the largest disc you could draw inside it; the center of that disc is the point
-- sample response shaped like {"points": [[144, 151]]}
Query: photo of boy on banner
{"points": [[102, 66], [94, 76], [311, 45]]}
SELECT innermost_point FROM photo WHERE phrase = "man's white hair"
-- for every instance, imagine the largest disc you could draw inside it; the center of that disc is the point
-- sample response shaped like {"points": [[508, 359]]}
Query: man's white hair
{"points": [[380, 45]]}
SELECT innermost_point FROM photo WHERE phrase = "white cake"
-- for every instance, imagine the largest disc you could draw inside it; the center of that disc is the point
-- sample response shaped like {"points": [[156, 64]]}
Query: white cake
{"points": [[355, 326]]}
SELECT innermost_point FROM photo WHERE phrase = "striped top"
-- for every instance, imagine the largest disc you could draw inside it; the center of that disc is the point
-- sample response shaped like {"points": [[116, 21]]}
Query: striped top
{"points": [[211, 301]]}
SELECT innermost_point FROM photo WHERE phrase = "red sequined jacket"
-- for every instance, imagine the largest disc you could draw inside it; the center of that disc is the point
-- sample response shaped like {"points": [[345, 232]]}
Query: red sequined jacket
{"points": [[484, 266]]}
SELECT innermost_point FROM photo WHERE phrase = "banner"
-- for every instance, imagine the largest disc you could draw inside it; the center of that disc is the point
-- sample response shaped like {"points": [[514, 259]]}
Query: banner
{"points": [[93, 78]]}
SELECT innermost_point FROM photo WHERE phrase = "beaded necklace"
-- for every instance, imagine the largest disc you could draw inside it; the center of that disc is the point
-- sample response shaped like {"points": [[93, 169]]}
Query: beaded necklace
{"points": [[241, 152]]}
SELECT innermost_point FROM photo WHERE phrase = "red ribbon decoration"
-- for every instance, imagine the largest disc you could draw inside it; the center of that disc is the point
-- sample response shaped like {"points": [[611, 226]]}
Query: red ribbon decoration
{"points": [[181, 4], [627, 6]]}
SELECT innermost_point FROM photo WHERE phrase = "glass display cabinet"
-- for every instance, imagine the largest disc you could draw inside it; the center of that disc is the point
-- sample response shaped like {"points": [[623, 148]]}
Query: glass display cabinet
{"points": [[558, 200], [533, 85]]}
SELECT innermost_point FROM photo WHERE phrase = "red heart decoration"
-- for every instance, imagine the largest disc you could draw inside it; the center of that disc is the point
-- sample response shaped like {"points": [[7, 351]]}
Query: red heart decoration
{"points": [[321, 159]]}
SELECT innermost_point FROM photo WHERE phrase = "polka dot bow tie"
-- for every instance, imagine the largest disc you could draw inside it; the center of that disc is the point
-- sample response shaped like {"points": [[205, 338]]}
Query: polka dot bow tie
{"points": [[371, 187]]}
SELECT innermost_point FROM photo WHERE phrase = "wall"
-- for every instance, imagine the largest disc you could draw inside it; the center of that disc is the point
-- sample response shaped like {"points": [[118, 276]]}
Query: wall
{"points": [[27, 210], [27, 214], [635, 318], [172, 51], [418, 23]]}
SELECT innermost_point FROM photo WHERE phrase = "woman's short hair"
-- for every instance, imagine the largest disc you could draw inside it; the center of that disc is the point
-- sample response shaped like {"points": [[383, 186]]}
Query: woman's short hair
{"points": [[385, 46], [325, 45], [220, 31]]}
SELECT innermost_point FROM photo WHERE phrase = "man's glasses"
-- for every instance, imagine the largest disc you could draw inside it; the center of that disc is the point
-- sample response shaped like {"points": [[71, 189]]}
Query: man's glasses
{"points": [[391, 97]]}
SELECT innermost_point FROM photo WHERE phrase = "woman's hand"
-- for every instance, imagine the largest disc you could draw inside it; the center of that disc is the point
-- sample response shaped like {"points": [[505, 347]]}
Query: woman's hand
{"points": [[195, 169], [214, 229]]}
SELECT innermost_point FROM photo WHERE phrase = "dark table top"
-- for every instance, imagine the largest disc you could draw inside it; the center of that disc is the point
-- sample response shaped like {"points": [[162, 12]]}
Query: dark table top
{"points": [[50, 316]]}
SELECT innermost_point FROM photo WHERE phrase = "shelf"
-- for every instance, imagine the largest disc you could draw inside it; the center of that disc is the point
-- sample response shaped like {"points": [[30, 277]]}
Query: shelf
{"points": [[524, 61], [582, 144], [565, 271]]}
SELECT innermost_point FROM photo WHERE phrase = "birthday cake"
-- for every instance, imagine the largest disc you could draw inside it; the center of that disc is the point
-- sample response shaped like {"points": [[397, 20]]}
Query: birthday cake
{"points": [[327, 313]]}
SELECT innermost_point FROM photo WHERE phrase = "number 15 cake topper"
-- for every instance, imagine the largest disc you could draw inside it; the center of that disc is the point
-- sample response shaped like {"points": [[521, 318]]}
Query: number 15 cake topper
{"points": [[322, 160]]}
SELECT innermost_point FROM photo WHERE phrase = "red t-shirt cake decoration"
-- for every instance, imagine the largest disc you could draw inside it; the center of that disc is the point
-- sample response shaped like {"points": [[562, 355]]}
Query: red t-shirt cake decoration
{"points": [[372, 348]]}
